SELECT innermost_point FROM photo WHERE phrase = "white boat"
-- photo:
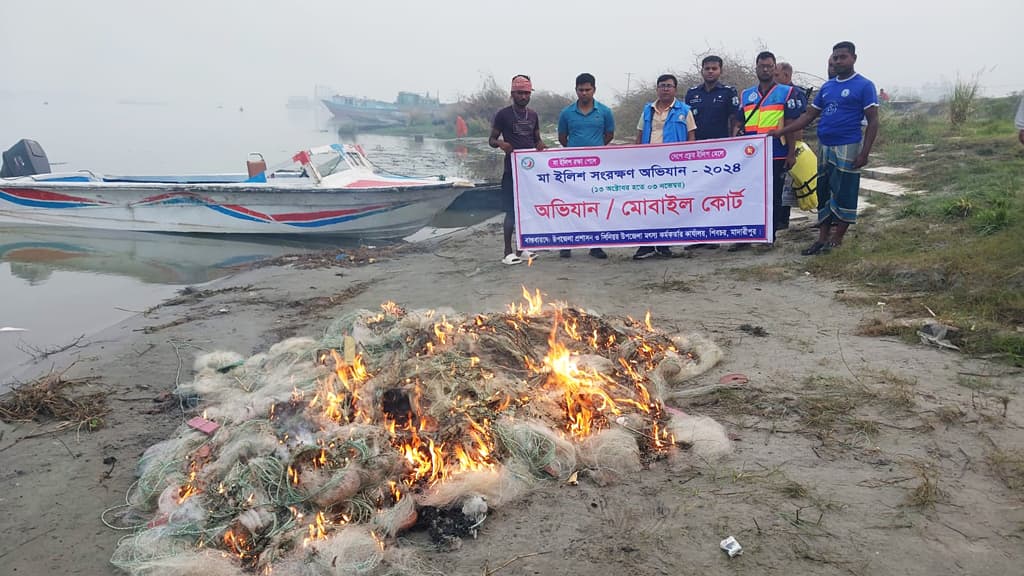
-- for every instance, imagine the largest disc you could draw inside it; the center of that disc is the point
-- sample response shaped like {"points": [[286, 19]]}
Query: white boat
{"points": [[330, 189]]}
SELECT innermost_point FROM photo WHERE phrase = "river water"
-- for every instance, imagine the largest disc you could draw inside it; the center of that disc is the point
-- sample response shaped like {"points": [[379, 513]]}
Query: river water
{"points": [[59, 284]]}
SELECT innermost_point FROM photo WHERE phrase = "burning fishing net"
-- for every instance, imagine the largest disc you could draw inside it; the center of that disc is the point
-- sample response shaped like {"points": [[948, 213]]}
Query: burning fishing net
{"points": [[312, 457]]}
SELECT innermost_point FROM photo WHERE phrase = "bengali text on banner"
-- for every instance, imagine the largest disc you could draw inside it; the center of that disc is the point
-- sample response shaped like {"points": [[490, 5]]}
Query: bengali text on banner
{"points": [[707, 191]]}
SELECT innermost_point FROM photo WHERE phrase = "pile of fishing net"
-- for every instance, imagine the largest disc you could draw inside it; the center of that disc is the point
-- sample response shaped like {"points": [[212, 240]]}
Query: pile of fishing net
{"points": [[310, 458]]}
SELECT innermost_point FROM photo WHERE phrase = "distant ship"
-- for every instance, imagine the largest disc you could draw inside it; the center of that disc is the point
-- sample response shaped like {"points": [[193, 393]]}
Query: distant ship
{"points": [[368, 113]]}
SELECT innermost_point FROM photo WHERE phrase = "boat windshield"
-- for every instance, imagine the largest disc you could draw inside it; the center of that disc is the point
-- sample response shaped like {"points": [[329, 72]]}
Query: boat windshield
{"points": [[331, 164]]}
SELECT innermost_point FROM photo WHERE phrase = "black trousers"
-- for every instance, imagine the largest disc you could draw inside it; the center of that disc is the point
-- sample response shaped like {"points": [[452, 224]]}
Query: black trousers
{"points": [[780, 213]]}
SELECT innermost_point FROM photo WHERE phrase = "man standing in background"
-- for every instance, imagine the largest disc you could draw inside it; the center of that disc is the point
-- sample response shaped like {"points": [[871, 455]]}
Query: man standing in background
{"points": [[518, 127], [1020, 120], [585, 122], [784, 75]]}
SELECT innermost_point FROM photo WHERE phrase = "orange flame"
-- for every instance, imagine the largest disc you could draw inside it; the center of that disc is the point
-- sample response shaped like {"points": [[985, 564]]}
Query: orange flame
{"points": [[647, 322], [341, 403], [293, 475], [189, 488], [237, 544], [583, 391], [442, 329], [317, 530], [534, 305]]}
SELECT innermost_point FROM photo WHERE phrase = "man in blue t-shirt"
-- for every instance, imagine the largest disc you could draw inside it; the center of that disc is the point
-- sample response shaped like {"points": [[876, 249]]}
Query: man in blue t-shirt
{"points": [[585, 122], [842, 103]]}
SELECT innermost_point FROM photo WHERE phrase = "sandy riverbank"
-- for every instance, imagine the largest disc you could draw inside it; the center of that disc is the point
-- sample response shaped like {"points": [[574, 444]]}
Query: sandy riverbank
{"points": [[852, 454]]}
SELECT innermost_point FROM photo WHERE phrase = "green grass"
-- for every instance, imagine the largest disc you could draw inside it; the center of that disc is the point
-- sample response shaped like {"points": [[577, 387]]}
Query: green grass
{"points": [[962, 241]]}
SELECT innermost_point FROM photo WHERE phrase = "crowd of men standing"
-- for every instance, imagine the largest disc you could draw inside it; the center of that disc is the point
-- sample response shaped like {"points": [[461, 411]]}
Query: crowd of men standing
{"points": [[713, 110]]}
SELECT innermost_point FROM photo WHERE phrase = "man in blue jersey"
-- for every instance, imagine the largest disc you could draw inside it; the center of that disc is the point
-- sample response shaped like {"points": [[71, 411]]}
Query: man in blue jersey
{"points": [[586, 122], [841, 103]]}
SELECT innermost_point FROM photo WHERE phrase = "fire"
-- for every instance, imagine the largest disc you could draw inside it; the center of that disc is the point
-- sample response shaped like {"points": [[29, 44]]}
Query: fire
{"points": [[392, 309], [571, 325], [647, 322], [317, 530], [338, 393], [442, 330], [430, 461], [583, 391], [237, 543], [293, 475], [395, 492], [534, 305], [189, 488]]}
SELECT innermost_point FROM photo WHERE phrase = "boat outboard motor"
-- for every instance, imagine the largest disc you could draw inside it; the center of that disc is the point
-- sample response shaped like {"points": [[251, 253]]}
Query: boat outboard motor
{"points": [[26, 158]]}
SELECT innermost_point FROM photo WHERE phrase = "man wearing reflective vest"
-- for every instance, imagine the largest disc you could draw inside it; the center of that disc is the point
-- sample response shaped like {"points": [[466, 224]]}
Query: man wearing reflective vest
{"points": [[766, 107]]}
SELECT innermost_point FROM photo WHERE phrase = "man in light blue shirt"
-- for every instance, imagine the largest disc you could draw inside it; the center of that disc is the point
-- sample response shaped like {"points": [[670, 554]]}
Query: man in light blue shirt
{"points": [[586, 122]]}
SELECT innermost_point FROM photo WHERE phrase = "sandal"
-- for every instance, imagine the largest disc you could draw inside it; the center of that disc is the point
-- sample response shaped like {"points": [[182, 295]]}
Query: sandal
{"points": [[817, 248], [511, 259]]}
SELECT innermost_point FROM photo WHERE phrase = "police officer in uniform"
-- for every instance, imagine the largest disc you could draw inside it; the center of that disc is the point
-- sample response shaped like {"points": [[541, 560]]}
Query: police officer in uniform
{"points": [[714, 104], [714, 107]]}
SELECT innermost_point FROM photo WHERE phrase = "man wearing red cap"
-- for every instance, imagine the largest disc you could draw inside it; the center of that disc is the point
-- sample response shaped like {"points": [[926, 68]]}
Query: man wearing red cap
{"points": [[518, 127]]}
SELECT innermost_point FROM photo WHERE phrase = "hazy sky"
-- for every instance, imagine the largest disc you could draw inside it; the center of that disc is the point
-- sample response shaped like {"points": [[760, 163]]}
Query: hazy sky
{"points": [[238, 51]]}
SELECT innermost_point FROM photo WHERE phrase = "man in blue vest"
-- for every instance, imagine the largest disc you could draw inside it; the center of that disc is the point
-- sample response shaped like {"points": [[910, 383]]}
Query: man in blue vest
{"points": [[665, 120], [586, 122], [766, 107], [842, 103]]}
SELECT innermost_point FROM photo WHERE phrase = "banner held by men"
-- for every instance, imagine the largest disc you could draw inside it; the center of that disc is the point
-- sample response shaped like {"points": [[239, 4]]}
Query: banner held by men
{"points": [[694, 192]]}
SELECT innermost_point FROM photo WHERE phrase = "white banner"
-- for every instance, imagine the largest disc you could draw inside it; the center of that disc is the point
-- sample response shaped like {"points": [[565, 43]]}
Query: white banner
{"points": [[708, 191]]}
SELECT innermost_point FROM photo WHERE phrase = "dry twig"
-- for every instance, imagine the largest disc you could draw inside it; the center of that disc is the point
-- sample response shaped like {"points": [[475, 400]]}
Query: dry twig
{"points": [[489, 572]]}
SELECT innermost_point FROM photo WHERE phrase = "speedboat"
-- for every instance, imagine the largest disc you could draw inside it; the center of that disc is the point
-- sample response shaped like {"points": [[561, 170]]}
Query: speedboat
{"points": [[331, 189]]}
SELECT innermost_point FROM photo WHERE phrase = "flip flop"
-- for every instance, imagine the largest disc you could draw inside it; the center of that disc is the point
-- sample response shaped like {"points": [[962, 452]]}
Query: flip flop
{"points": [[734, 378], [511, 259]]}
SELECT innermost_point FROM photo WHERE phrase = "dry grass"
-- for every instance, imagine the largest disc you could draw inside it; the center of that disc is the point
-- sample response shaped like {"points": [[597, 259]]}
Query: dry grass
{"points": [[48, 398], [835, 410], [766, 273], [878, 327], [950, 414], [927, 493], [1008, 466], [669, 286]]}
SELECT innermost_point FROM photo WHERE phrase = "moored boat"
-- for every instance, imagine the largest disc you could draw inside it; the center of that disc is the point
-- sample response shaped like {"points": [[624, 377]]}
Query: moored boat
{"points": [[330, 189]]}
